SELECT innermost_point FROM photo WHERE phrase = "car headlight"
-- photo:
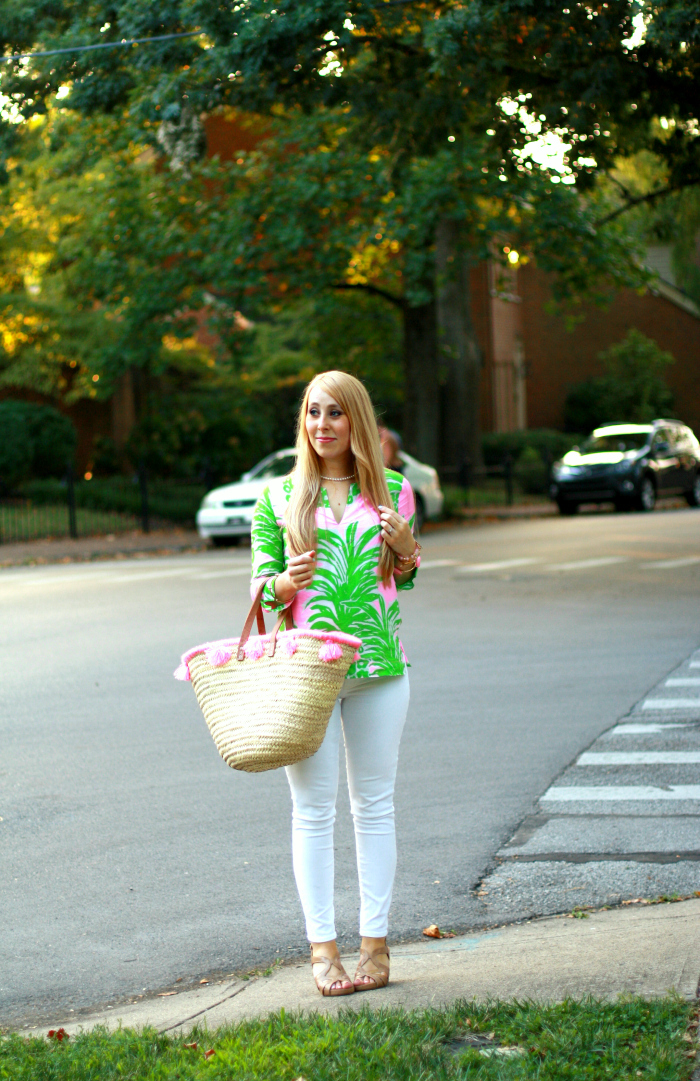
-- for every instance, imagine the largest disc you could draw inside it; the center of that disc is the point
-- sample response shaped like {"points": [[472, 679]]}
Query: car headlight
{"points": [[211, 502], [563, 472]]}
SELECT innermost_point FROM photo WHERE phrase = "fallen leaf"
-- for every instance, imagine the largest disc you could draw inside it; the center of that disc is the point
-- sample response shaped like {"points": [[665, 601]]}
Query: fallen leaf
{"points": [[690, 1054], [165, 994], [209, 1053], [433, 931], [687, 1037], [204, 981], [190, 1046], [179, 979]]}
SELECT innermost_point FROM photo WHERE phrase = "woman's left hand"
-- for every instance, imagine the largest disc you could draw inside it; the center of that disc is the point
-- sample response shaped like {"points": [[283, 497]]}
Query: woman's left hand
{"points": [[397, 532]]}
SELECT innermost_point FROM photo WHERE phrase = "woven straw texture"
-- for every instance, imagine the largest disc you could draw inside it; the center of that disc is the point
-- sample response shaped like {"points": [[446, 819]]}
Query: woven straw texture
{"points": [[271, 711]]}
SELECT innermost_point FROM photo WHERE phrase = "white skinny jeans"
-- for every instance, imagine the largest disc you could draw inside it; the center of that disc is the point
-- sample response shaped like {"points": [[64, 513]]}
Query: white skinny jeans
{"points": [[372, 712]]}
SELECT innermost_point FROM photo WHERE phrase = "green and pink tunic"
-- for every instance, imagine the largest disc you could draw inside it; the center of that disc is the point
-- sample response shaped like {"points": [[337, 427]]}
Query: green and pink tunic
{"points": [[346, 593]]}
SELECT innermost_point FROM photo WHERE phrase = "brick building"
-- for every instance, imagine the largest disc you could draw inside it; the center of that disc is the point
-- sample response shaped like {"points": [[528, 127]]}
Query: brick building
{"points": [[531, 360]]}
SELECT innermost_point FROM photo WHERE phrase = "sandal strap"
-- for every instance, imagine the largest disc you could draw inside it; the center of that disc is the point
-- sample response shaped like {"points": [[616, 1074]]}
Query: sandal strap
{"points": [[382, 973], [330, 963]]}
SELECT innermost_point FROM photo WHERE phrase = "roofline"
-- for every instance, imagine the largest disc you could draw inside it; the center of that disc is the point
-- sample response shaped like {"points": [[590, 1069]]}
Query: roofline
{"points": [[669, 292]]}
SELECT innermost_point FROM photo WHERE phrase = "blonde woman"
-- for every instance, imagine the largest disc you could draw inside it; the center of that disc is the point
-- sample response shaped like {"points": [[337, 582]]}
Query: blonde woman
{"points": [[335, 540]]}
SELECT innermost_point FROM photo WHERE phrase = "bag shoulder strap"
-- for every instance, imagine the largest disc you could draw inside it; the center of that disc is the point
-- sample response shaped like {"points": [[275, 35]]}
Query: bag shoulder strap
{"points": [[256, 612]]}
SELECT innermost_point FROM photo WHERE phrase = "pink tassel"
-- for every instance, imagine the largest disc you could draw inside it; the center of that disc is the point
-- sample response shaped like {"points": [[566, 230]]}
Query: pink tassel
{"points": [[254, 649], [182, 672], [217, 657], [330, 651], [289, 645]]}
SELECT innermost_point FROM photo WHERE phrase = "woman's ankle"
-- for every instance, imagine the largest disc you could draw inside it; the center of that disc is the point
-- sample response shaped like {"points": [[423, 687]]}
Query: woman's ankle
{"points": [[325, 949], [371, 944]]}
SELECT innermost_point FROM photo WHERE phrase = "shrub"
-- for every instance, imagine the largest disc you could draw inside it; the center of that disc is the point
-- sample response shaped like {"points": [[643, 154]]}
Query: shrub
{"points": [[36, 441], [633, 388], [15, 446], [547, 442], [171, 500], [532, 471]]}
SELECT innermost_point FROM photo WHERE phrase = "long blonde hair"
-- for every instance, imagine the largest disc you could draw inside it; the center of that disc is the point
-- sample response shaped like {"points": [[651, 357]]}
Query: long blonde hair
{"points": [[353, 399]]}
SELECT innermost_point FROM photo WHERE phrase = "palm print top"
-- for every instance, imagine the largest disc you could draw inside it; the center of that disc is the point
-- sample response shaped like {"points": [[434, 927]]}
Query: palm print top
{"points": [[346, 593]]}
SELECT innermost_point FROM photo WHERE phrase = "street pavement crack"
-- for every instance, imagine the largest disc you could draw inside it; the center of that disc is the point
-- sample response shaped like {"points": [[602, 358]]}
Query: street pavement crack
{"points": [[238, 990]]}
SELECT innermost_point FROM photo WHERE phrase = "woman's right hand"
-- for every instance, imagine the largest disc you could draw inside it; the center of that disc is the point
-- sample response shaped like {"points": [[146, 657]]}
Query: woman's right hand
{"points": [[298, 575]]}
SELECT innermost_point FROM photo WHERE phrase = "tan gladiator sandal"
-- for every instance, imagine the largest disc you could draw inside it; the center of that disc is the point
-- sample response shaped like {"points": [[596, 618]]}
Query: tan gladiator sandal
{"points": [[325, 979], [380, 978]]}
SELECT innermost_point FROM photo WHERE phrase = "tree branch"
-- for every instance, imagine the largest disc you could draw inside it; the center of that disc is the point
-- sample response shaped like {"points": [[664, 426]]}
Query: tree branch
{"points": [[375, 290], [650, 197]]}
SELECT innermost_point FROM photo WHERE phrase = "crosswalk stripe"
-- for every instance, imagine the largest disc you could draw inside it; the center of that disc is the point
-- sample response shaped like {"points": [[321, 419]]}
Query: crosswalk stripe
{"points": [[685, 681], [669, 564], [671, 703], [108, 574], [634, 758], [583, 564], [643, 729], [503, 564], [608, 793], [220, 574]]}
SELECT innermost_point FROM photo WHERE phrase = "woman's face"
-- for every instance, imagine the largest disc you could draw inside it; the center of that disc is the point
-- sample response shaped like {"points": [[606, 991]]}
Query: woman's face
{"points": [[327, 426]]}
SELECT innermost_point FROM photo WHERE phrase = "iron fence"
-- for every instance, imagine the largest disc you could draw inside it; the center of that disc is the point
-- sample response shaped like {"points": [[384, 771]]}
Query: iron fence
{"points": [[65, 508]]}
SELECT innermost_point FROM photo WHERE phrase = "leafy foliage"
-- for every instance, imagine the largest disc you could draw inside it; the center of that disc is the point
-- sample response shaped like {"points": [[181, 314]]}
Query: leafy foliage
{"points": [[633, 388], [37, 440], [380, 120], [171, 501]]}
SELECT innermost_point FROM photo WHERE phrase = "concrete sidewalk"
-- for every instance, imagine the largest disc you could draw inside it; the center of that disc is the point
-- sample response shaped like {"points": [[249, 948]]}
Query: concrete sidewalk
{"points": [[111, 546], [645, 950]]}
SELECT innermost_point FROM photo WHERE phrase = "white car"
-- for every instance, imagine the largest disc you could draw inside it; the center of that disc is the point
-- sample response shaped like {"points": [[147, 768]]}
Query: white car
{"points": [[226, 513]]}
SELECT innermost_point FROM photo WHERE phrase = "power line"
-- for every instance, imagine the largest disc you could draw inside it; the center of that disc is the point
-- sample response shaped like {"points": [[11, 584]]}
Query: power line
{"points": [[102, 45]]}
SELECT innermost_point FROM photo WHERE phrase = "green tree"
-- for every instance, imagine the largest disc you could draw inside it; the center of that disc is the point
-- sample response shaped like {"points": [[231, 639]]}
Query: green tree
{"points": [[108, 266], [412, 88], [433, 96]]}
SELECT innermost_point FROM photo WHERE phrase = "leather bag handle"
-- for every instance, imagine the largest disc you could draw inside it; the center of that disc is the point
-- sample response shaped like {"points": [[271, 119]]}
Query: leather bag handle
{"points": [[256, 612], [285, 616]]}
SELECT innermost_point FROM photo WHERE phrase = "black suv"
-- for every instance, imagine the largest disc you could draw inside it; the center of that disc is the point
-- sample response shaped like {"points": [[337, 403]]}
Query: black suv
{"points": [[631, 464]]}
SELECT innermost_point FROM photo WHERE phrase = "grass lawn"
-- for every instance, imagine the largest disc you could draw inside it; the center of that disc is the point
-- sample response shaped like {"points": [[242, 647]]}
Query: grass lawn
{"points": [[20, 522], [628, 1039]]}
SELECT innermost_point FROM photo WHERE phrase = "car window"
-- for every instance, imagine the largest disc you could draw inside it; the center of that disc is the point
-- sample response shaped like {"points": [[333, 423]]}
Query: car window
{"points": [[662, 435], [278, 467], [614, 441]]}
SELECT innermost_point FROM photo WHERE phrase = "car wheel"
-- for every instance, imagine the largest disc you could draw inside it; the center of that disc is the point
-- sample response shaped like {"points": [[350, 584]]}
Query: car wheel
{"points": [[566, 507], [693, 494], [646, 497], [226, 542], [420, 513]]}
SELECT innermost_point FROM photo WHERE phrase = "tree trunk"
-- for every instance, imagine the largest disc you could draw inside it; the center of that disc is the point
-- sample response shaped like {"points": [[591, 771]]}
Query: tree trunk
{"points": [[422, 391], [460, 357]]}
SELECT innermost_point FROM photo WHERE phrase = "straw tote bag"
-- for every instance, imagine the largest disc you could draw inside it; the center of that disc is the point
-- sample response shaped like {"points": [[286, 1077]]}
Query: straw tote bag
{"points": [[267, 699]]}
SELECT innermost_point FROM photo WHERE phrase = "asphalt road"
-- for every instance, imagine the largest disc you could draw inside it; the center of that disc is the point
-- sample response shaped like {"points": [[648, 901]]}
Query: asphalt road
{"points": [[132, 856]]}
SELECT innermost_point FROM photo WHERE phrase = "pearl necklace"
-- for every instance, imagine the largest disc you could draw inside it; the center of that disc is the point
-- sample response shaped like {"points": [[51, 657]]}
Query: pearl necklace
{"points": [[351, 477]]}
